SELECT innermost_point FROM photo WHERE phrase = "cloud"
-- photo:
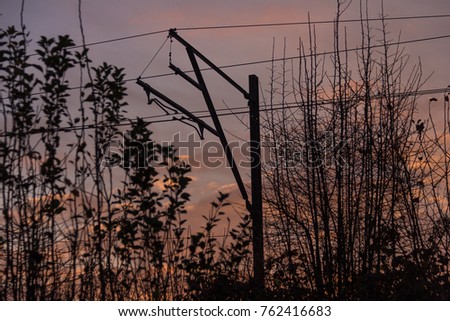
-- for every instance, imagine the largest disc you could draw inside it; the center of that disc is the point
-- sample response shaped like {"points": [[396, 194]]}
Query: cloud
{"points": [[118, 18]]}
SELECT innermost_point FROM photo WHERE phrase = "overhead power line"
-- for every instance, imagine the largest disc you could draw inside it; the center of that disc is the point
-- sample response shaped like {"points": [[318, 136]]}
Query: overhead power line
{"points": [[323, 53], [284, 24], [222, 112], [264, 61], [263, 25], [292, 105], [139, 35]]}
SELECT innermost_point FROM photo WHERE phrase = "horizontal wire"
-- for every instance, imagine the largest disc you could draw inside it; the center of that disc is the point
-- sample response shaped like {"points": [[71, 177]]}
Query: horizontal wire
{"points": [[281, 24], [440, 90], [154, 119], [265, 61], [323, 53], [260, 25]]}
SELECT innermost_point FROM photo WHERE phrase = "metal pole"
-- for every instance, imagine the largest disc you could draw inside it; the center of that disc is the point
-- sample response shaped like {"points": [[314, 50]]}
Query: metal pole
{"points": [[257, 214], [218, 126], [255, 207]]}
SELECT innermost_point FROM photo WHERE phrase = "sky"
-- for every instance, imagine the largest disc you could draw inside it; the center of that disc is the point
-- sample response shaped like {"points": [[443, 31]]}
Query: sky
{"points": [[112, 19]]}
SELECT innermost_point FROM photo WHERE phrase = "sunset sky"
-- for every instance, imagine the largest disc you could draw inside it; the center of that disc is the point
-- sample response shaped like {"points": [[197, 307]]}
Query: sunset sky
{"points": [[105, 20]]}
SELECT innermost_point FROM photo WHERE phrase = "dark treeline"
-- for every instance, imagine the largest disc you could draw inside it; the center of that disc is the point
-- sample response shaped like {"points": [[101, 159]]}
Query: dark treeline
{"points": [[81, 221], [356, 190]]}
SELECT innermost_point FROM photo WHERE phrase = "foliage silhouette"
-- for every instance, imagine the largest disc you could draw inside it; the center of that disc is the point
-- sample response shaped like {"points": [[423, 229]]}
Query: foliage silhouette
{"points": [[80, 222], [356, 210], [356, 194]]}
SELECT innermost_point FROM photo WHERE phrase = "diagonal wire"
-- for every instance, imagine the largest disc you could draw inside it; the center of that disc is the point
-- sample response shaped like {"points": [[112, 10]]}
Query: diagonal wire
{"points": [[151, 60], [323, 53]]}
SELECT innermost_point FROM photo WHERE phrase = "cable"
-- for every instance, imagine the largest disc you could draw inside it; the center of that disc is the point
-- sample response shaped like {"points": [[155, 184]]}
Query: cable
{"points": [[260, 25], [324, 53], [145, 34], [151, 60], [154, 119], [101, 42], [294, 105], [280, 24]]}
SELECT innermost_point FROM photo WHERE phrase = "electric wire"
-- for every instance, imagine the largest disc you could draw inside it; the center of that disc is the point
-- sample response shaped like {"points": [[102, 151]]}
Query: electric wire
{"points": [[153, 58], [222, 112], [139, 35], [261, 25], [296, 23], [424, 92], [323, 53], [265, 61]]}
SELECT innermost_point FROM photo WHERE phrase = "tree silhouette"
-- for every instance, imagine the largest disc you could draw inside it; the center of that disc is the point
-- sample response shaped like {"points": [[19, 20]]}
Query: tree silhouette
{"points": [[356, 184], [352, 211], [95, 214]]}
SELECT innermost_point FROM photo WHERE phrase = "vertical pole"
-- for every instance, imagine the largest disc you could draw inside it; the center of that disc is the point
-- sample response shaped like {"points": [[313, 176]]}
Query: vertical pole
{"points": [[256, 213]]}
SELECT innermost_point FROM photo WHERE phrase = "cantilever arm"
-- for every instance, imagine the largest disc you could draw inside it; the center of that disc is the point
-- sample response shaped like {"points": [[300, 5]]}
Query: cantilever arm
{"points": [[173, 33], [148, 89]]}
